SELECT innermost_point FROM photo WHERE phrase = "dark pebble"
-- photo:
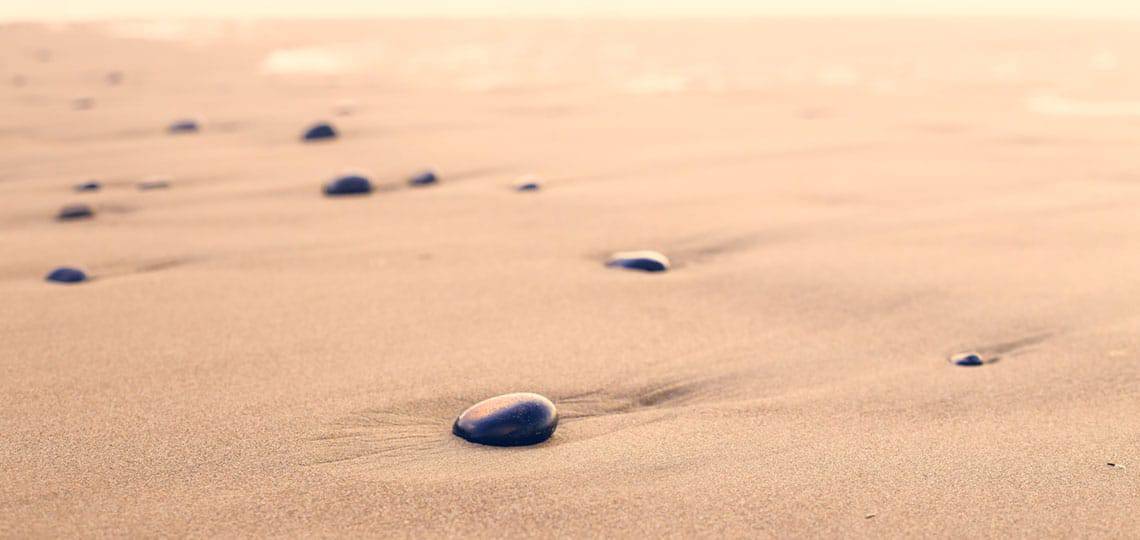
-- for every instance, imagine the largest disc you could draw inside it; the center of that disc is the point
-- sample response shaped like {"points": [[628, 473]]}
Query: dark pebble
{"points": [[528, 183], [75, 211], [88, 186], [319, 132], [425, 178], [967, 360], [646, 261], [516, 419], [348, 185], [183, 126], [66, 275]]}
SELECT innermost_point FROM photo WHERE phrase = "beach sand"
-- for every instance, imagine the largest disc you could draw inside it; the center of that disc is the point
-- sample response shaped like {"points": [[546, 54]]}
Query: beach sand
{"points": [[847, 203]]}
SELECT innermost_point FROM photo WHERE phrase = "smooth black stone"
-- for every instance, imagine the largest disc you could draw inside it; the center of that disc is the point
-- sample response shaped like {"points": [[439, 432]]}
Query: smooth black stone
{"points": [[967, 360], [88, 186], [153, 184], [425, 178], [646, 261], [66, 275], [348, 185], [75, 211], [319, 132], [183, 126], [518, 419], [528, 186]]}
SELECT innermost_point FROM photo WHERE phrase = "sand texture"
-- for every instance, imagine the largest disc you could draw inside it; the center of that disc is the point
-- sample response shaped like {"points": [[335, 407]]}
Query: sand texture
{"points": [[846, 204]]}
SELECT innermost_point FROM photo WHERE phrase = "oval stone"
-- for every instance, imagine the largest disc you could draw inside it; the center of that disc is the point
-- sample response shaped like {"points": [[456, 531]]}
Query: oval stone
{"points": [[425, 178], [646, 261], [348, 185], [967, 360], [183, 126], [318, 132], [66, 275], [517, 419], [75, 211], [88, 186]]}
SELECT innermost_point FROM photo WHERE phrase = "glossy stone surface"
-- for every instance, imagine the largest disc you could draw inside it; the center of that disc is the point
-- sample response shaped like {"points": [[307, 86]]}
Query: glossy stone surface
{"points": [[319, 132], [183, 126], [518, 419], [967, 360], [75, 211], [646, 261], [88, 186], [66, 275], [425, 178], [348, 185]]}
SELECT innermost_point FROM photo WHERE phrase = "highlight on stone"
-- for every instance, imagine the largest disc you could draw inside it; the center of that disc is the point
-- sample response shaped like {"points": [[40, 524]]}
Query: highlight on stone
{"points": [[75, 211], [518, 419], [184, 126], [91, 185], [66, 275], [967, 360], [425, 178], [352, 184], [319, 132], [646, 261]]}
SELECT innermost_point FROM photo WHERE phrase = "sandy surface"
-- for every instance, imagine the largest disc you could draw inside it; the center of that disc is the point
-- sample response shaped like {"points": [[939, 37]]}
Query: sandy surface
{"points": [[847, 204]]}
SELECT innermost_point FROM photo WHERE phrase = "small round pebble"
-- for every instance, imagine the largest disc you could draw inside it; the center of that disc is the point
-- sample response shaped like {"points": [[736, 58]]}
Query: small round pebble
{"points": [[66, 275], [646, 261], [183, 126], [517, 419], [319, 132], [425, 178], [967, 360], [348, 185], [91, 185], [75, 211]]}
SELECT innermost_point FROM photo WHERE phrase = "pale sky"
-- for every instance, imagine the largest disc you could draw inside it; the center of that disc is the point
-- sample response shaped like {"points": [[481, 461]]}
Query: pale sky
{"points": [[104, 9]]}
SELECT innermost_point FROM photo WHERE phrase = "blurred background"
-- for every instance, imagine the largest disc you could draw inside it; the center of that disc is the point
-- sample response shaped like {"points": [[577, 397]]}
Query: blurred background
{"points": [[70, 9]]}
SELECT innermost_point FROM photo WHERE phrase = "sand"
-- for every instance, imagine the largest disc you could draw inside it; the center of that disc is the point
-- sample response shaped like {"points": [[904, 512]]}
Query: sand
{"points": [[846, 204]]}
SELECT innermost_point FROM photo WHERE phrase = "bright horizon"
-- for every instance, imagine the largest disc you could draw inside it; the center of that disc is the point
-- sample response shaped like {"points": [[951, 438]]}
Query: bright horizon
{"points": [[55, 10]]}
